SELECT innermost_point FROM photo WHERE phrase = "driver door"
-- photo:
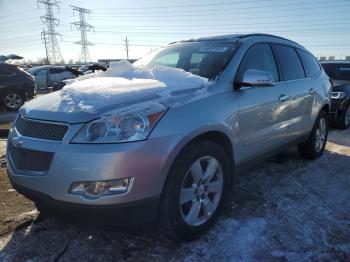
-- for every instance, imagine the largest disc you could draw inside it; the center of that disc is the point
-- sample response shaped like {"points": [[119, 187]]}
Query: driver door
{"points": [[263, 110], [41, 79]]}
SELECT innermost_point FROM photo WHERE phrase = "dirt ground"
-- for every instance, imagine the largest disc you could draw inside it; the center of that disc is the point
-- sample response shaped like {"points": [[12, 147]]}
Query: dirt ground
{"points": [[285, 209]]}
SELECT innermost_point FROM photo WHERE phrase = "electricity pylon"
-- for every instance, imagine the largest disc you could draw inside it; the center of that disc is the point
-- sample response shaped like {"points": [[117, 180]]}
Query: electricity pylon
{"points": [[83, 27], [50, 35]]}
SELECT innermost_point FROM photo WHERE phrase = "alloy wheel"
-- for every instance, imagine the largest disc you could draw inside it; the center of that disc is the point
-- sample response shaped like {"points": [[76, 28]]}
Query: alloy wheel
{"points": [[201, 191], [13, 101], [321, 134]]}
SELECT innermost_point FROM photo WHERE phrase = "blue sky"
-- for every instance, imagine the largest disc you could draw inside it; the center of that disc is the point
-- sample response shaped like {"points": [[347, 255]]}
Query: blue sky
{"points": [[321, 26]]}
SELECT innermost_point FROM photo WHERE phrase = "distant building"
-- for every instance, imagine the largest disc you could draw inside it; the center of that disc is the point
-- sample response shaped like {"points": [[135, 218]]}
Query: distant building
{"points": [[323, 58], [331, 58], [347, 58], [108, 61]]}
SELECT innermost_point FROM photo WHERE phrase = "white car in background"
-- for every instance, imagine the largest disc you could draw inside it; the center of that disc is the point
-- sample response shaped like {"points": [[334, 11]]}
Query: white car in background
{"points": [[47, 76]]}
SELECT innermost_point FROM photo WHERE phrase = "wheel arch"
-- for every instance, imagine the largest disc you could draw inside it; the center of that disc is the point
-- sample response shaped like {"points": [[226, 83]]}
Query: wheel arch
{"points": [[219, 137]]}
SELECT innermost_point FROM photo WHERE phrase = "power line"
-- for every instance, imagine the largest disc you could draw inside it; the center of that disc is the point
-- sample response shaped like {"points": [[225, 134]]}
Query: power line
{"points": [[201, 5], [17, 13], [83, 27], [53, 49]]}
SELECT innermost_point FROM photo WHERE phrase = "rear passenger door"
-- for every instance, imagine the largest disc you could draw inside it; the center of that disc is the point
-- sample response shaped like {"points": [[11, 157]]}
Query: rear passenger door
{"points": [[300, 90], [263, 111]]}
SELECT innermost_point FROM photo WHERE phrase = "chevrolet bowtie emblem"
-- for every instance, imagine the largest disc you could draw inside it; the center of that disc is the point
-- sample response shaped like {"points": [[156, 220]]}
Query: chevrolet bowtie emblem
{"points": [[16, 142]]}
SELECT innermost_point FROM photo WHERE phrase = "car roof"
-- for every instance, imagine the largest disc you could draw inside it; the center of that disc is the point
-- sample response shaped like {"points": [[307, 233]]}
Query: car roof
{"points": [[46, 67]]}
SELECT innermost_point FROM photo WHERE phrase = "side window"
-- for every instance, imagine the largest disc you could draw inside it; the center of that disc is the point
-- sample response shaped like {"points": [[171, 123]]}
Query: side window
{"points": [[169, 60], [292, 67], [4, 72], [310, 64], [56, 70], [259, 57], [41, 73]]}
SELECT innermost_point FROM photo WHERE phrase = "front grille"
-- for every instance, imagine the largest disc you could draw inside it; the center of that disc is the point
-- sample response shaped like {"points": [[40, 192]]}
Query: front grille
{"points": [[40, 130], [30, 160]]}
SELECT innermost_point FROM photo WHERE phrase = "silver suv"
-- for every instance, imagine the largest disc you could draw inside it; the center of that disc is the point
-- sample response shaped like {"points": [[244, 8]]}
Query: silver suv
{"points": [[174, 159]]}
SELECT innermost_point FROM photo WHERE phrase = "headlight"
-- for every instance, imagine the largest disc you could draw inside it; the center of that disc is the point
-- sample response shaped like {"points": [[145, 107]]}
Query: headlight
{"points": [[338, 95], [118, 127]]}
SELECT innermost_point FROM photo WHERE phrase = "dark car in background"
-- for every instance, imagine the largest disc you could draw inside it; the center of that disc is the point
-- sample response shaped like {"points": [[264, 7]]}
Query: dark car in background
{"points": [[339, 72], [16, 87], [47, 76], [85, 69]]}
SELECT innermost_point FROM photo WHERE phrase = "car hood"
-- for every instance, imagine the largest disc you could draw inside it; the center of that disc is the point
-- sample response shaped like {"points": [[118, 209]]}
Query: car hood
{"points": [[41, 107]]}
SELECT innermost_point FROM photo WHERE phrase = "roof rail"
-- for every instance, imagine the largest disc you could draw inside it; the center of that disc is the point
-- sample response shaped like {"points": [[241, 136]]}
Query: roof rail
{"points": [[269, 35]]}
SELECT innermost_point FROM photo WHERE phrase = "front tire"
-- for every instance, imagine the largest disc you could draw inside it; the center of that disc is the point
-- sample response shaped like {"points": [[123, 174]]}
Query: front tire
{"points": [[196, 189], [314, 147]]}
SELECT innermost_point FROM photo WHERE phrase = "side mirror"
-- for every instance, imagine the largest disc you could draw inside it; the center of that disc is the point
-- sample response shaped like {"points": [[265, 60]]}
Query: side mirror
{"points": [[253, 77]]}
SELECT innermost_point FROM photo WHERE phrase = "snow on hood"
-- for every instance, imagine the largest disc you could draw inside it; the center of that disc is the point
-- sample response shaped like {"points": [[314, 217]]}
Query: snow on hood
{"points": [[121, 83]]}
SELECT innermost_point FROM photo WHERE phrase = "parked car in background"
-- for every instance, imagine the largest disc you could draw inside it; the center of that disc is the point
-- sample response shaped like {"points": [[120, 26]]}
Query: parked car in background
{"points": [[339, 72], [85, 70], [168, 146], [91, 68], [47, 76], [16, 87]]}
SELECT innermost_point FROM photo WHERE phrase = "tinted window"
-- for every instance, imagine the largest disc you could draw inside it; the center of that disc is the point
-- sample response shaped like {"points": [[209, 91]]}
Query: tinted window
{"points": [[4, 72], [337, 71], [290, 62], [56, 70], [259, 57], [310, 64]]}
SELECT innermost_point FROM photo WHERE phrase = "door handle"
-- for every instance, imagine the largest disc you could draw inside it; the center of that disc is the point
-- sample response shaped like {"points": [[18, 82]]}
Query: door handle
{"points": [[283, 98], [312, 91]]}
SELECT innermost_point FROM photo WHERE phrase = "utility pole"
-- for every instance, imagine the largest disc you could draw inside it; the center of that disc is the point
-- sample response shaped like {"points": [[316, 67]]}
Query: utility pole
{"points": [[83, 27], [50, 35], [43, 35], [127, 47]]}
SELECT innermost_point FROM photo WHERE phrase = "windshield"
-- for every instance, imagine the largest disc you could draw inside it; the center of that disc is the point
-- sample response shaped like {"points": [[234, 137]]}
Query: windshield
{"points": [[206, 59], [337, 71]]}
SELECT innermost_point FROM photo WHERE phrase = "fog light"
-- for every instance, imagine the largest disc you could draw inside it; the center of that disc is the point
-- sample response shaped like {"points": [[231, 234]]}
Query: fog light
{"points": [[96, 189]]}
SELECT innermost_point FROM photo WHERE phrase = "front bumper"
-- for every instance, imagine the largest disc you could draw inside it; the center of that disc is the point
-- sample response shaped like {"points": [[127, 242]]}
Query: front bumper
{"points": [[135, 213], [147, 162]]}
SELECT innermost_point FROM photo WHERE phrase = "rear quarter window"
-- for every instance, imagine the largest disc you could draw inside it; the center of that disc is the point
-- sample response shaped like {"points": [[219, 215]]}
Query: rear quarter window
{"points": [[5, 72], [310, 63], [291, 66]]}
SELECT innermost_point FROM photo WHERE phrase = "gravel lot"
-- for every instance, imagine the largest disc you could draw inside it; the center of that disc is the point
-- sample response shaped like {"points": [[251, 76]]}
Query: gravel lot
{"points": [[285, 209]]}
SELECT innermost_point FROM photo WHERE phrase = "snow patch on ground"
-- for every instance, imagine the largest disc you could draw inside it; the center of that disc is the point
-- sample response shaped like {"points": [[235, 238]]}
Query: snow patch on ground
{"points": [[123, 82], [233, 239]]}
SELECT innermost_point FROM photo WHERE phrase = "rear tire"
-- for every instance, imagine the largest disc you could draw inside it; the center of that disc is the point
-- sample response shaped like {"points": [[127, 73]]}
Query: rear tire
{"points": [[12, 100], [313, 148], [193, 196], [345, 119]]}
